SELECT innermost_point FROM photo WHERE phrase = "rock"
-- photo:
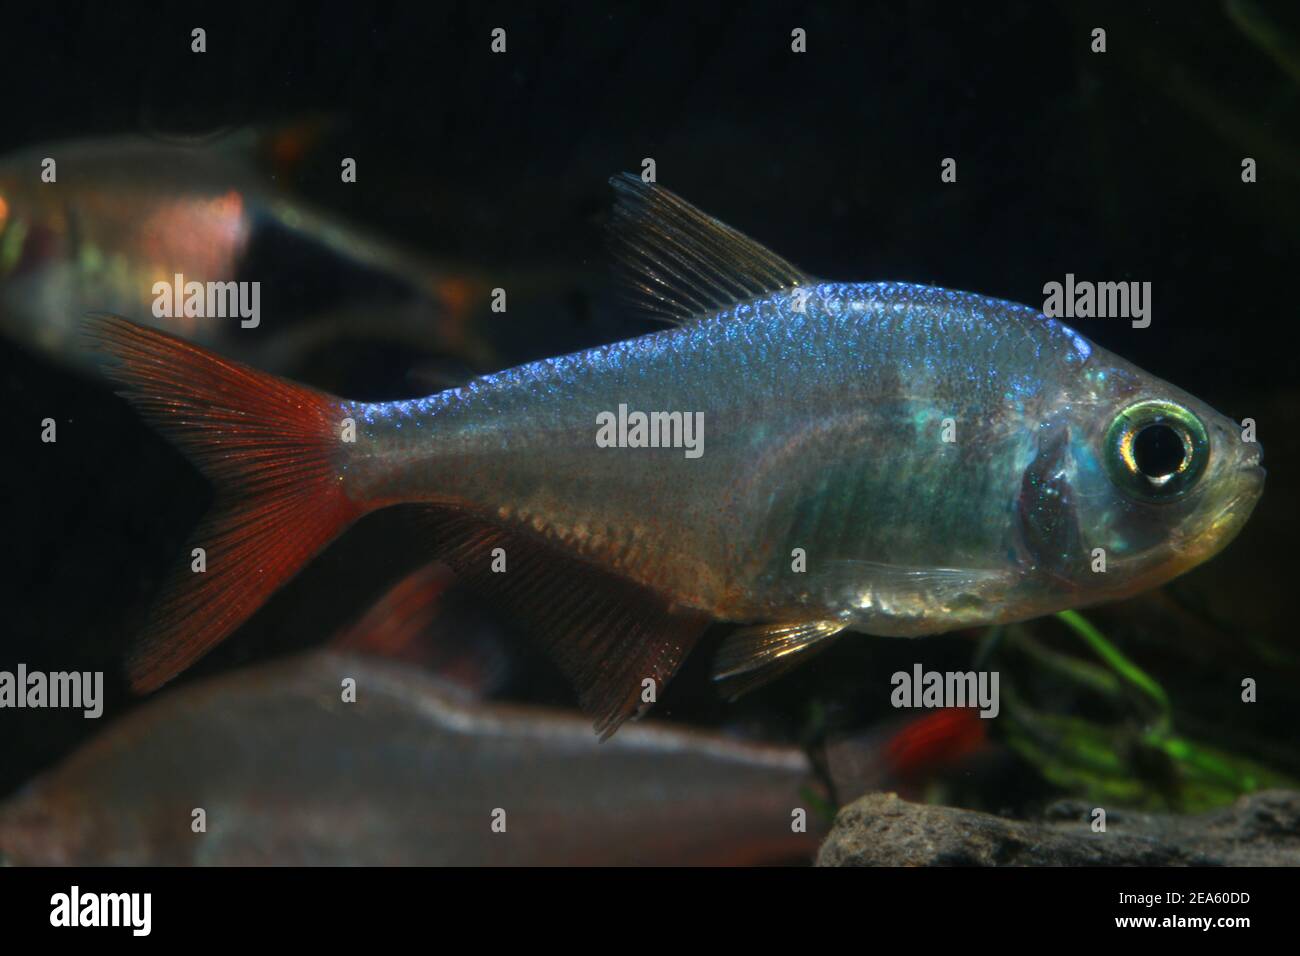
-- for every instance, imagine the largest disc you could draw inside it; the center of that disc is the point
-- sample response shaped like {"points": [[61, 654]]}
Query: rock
{"points": [[881, 829]]}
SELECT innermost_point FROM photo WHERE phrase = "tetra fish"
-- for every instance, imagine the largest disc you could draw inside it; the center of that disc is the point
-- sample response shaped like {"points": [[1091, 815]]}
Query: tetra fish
{"points": [[414, 772], [130, 222], [880, 457]]}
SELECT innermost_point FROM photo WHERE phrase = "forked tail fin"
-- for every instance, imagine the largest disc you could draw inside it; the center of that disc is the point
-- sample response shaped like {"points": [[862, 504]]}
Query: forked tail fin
{"points": [[272, 448]]}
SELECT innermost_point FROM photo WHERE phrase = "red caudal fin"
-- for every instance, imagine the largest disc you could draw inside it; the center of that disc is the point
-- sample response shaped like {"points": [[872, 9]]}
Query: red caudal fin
{"points": [[273, 450]]}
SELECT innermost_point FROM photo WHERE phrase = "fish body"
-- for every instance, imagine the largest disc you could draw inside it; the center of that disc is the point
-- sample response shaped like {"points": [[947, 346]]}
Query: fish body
{"points": [[413, 772], [823, 431], [888, 458]]}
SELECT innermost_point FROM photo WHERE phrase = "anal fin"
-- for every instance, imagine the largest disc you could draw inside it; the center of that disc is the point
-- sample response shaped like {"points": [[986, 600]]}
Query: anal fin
{"points": [[754, 656], [607, 634]]}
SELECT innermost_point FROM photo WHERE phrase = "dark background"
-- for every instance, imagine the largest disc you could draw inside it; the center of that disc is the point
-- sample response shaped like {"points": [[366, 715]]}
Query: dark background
{"points": [[1120, 166]]}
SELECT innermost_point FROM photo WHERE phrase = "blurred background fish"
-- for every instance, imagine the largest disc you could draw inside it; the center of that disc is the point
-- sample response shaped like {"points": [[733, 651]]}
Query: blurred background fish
{"points": [[411, 773], [127, 212], [287, 772]]}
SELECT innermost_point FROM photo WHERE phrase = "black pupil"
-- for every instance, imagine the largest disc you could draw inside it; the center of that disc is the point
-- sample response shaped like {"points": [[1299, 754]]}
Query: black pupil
{"points": [[1158, 451]]}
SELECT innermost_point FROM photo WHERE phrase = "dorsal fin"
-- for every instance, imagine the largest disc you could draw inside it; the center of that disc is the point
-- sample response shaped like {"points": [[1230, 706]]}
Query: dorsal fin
{"points": [[683, 265]]}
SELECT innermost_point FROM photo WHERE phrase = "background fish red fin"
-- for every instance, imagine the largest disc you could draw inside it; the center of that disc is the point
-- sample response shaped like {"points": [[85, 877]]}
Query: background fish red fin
{"points": [[420, 621], [608, 635], [935, 740], [903, 754], [271, 448], [683, 265], [396, 625]]}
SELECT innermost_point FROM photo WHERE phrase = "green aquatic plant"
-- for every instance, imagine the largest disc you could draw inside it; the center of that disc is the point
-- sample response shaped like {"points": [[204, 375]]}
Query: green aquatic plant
{"points": [[1258, 27], [1138, 760], [1115, 659]]}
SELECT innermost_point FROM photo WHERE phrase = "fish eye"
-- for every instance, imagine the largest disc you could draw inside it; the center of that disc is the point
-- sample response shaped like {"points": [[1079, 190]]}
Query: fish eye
{"points": [[1156, 450]]}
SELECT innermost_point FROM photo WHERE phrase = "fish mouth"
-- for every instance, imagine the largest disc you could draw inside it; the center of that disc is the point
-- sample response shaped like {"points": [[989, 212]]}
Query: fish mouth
{"points": [[1217, 531], [1252, 476]]}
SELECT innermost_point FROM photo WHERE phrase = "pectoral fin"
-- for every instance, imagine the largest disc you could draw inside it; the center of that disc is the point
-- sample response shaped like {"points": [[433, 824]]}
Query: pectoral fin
{"points": [[753, 656]]}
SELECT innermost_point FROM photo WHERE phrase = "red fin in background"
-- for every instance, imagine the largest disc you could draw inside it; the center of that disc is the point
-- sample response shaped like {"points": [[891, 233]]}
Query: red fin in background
{"points": [[904, 757], [285, 148], [607, 634], [417, 622], [272, 449], [934, 741]]}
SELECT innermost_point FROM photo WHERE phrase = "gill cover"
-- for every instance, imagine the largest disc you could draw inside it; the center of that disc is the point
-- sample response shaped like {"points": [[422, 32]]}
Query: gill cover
{"points": [[1049, 523]]}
